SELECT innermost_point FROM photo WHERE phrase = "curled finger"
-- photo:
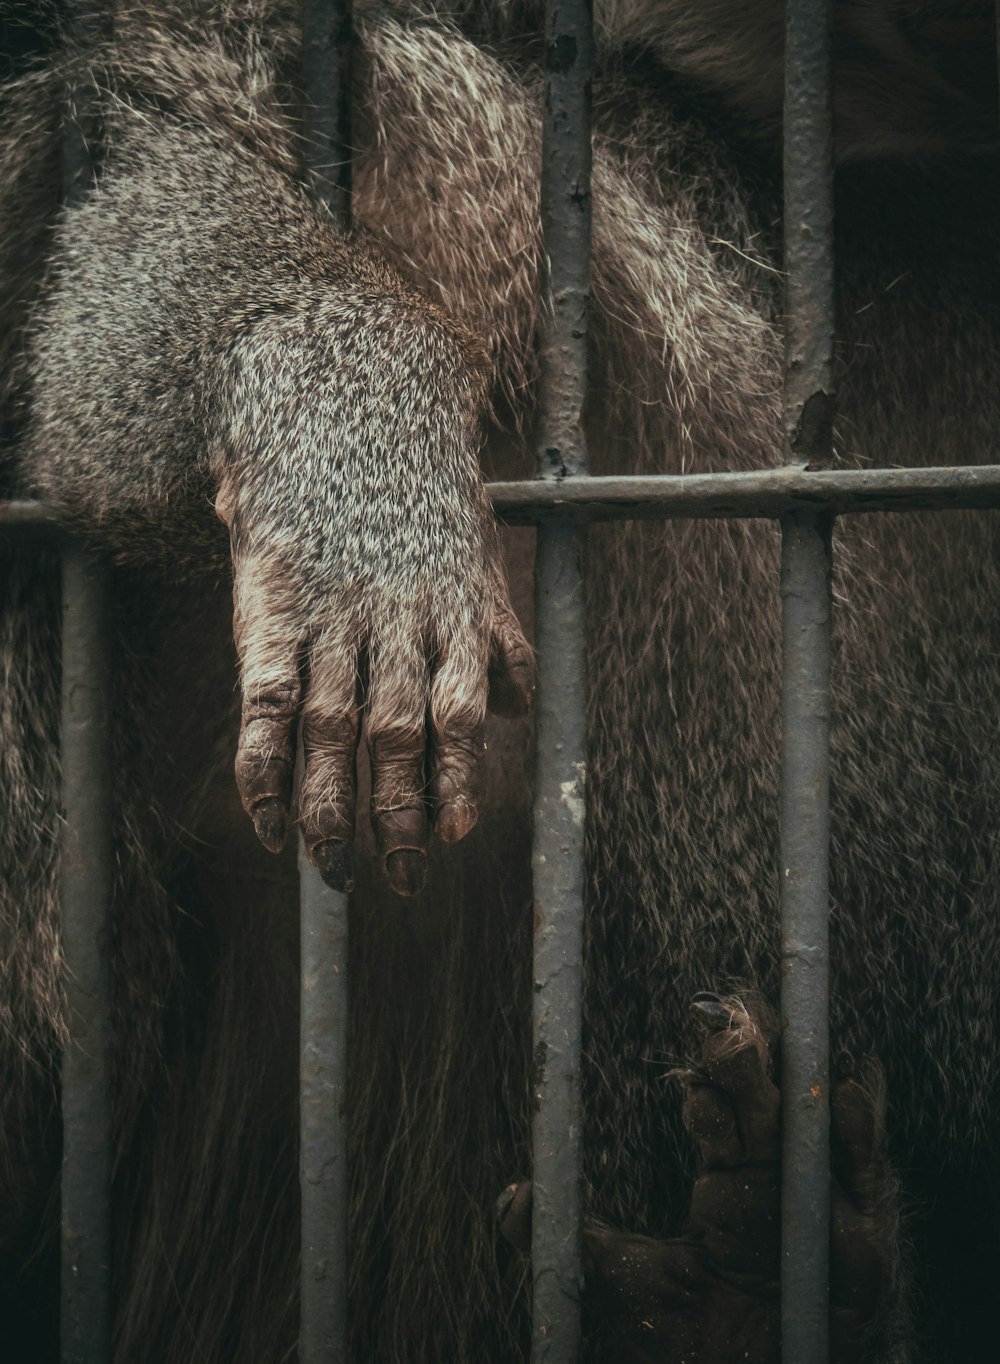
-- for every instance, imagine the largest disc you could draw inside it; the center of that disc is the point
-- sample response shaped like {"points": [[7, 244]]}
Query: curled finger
{"points": [[331, 722], [397, 741], [512, 666], [270, 654], [457, 712]]}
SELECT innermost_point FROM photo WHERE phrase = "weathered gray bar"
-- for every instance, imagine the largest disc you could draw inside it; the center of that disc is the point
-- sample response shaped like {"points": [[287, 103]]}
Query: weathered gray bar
{"points": [[323, 1119], [326, 116], [806, 609], [323, 1182], [767, 493], [85, 897], [764, 493], [85, 884], [560, 774]]}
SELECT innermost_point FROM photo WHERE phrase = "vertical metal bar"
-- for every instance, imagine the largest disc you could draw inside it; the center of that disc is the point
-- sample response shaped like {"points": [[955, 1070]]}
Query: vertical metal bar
{"points": [[85, 878], [806, 611], [322, 1113], [560, 774], [326, 79], [805, 970], [85, 895], [323, 1182]]}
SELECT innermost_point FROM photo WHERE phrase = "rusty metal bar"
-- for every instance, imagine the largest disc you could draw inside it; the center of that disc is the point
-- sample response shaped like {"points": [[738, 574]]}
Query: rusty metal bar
{"points": [[805, 707], [561, 740], [323, 1065]]}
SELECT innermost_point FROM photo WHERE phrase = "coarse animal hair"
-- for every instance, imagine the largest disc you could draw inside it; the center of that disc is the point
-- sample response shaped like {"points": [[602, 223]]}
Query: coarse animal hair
{"points": [[196, 340]]}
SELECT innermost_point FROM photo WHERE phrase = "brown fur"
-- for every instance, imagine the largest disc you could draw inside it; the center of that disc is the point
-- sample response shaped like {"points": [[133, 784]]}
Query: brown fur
{"points": [[200, 243]]}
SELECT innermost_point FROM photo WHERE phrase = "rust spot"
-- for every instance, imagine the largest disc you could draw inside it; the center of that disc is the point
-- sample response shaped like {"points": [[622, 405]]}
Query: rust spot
{"points": [[815, 1090]]}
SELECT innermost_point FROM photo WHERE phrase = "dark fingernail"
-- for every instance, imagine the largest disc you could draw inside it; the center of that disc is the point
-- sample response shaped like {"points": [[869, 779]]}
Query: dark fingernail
{"points": [[502, 1205], [270, 819], [514, 1214], [334, 862], [455, 820], [689, 1075], [711, 1012], [405, 868]]}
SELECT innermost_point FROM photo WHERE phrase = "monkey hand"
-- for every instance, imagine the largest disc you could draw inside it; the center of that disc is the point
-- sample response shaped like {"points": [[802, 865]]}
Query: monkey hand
{"points": [[711, 1296], [368, 579]]}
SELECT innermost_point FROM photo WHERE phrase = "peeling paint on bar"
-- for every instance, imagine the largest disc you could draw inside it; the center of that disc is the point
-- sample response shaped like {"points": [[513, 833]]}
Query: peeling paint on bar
{"points": [[805, 704], [560, 772], [324, 913]]}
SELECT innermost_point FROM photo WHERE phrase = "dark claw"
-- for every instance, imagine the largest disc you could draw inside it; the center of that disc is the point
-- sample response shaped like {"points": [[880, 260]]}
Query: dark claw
{"points": [[270, 819], [690, 1075], [405, 868], [502, 1205], [334, 862], [846, 1067], [712, 1012], [513, 1213]]}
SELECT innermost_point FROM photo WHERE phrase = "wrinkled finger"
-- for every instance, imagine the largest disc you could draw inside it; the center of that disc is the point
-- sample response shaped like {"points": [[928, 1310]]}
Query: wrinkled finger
{"points": [[330, 726], [458, 709], [512, 666], [736, 1059], [864, 1214], [709, 1118], [857, 1119], [640, 1281], [270, 654], [397, 741]]}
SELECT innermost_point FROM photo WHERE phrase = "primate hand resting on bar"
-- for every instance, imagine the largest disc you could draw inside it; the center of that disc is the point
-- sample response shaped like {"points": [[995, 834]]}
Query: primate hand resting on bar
{"points": [[333, 416], [711, 1296]]}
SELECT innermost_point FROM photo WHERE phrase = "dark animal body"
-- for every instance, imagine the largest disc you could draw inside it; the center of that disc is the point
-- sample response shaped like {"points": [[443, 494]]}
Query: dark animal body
{"points": [[195, 332]]}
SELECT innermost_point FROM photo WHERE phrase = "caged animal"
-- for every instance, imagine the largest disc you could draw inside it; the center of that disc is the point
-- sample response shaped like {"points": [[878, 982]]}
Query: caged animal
{"points": [[195, 348]]}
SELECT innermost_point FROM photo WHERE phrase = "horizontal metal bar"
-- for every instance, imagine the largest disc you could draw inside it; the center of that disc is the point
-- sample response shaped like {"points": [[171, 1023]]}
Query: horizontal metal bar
{"points": [[761, 493], [30, 517], [764, 493]]}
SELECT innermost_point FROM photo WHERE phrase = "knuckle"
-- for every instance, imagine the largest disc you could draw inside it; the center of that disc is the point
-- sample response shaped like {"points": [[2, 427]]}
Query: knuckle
{"points": [[270, 700], [396, 789], [458, 713], [397, 744]]}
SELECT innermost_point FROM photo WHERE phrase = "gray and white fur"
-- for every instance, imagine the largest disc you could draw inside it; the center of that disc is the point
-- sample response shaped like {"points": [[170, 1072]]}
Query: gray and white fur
{"points": [[196, 340]]}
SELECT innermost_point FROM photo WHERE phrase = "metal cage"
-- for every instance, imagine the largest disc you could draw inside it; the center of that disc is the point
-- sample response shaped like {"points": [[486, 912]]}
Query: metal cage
{"points": [[804, 496]]}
